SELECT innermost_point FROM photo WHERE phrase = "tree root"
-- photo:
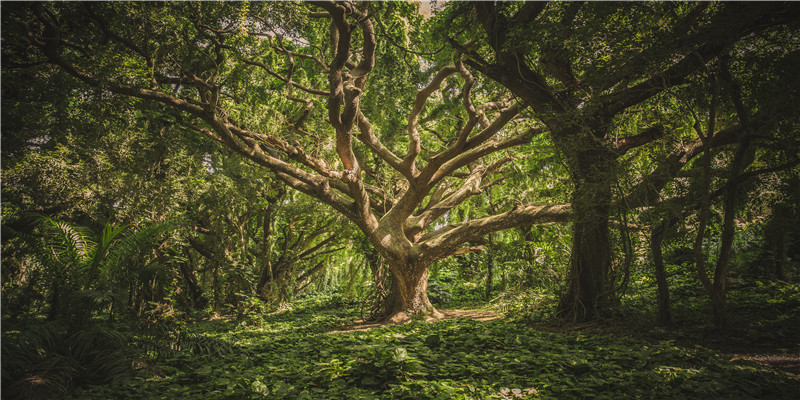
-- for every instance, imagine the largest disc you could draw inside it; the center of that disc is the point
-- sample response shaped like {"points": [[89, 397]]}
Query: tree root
{"points": [[401, 317]]}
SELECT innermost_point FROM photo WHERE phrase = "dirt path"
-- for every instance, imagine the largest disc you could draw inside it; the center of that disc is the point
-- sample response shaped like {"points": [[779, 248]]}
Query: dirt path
{"points": [[478, 315], [784, 362]]}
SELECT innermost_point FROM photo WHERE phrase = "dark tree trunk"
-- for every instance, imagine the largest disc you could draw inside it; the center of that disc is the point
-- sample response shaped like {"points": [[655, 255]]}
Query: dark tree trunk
{"points": [[780, 255], [588, 292], [741, 160], [775, 238], [55, 303], [267, 276], [192, 285], [664, 307]]}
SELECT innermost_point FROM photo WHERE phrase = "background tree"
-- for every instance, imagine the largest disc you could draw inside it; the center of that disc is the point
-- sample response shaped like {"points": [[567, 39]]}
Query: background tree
{"points": [[587, 70]]}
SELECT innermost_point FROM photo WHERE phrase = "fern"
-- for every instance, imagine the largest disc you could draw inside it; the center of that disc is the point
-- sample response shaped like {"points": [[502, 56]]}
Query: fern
{"points": [[159, 342], [46, 360], [130, 249]]}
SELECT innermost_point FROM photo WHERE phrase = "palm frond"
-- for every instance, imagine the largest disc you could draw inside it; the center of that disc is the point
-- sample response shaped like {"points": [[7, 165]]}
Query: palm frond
{"points": [[107, 240], [70, 238]]}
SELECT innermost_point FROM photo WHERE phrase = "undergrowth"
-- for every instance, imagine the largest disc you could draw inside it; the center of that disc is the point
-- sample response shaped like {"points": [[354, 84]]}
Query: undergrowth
{"points": [[294, 355]]}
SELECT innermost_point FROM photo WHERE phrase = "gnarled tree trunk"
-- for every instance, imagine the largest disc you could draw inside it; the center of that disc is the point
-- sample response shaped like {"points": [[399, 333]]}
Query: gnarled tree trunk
{"points": [[408, 295]]}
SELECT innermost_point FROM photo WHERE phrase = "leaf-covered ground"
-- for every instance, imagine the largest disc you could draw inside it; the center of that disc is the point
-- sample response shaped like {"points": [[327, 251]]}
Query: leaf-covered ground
{"points": [[303, 354]]}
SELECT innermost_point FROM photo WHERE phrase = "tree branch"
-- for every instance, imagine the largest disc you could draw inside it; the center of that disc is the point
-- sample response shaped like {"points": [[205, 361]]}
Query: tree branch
{"points": [[449, 238]]}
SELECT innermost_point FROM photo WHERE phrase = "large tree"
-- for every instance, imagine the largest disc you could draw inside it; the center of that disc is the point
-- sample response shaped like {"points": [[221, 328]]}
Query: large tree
{"points": [[284, 84], [600, 77]]}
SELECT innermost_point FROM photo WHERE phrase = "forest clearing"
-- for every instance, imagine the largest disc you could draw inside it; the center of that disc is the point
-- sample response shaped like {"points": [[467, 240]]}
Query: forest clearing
{"points": [[400, 200]]}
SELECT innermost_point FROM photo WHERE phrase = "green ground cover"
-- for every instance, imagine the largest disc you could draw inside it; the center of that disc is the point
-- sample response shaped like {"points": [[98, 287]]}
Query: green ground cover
{"points": [[297, 355]]}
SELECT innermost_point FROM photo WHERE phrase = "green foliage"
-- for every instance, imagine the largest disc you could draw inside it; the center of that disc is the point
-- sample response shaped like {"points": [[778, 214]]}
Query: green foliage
{"points": [[45, 360], [294, 355], [230, 299]]}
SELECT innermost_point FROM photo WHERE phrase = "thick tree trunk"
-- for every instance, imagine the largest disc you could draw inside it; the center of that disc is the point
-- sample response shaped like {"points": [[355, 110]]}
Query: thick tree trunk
{"points": [[590, 262], [409, 293], [588, 292]]}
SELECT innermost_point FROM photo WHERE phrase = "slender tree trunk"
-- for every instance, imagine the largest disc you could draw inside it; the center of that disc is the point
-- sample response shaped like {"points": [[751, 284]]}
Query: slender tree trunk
{"points": [[215, 286], [664, 307], [409, 292], [720, 290], [743, 157], [489, 274], [55, 303], [192, 285], [780, 255], [775, 238], [264, 280]]}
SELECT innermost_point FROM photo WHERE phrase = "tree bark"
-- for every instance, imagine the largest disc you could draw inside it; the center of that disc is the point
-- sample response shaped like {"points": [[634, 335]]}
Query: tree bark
{"points": [[409, 292], [588, 293], [720, 289], [192, 285], [664, 307], [780, 255], [489, 273]]}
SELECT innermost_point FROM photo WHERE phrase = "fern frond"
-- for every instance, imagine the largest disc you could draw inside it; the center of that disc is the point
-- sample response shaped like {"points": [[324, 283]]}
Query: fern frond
{"points": [[131, 246], [159, 342]]}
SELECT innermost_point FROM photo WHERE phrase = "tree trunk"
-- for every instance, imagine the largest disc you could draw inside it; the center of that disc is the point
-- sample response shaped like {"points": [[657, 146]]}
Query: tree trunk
{"points": [[55, 303], [489, 273], [215, 286], [741, 160], [409, 292], [780, 255], [266, 277], [775, 238], [588, 292], [192, 285], [664, 311]]}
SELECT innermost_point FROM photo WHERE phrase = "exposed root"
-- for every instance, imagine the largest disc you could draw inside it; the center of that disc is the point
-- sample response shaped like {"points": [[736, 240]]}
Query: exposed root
{"points": [[397, 318], [401, 317]]}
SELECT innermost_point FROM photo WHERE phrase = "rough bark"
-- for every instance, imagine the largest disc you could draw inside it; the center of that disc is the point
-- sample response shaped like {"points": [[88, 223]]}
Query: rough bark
{"points": [[590, 262], [589, 290], [409, 293]]}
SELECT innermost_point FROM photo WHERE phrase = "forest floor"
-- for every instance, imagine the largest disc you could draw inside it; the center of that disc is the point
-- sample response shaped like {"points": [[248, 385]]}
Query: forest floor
{"points": [[472, 313], [318, 349], [769, 354], [773, 354], [763, 326]]}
